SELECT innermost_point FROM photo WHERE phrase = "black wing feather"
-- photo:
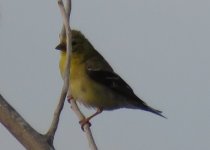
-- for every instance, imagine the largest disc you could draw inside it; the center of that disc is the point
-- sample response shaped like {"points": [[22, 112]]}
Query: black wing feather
{"points": [[113, 81]]}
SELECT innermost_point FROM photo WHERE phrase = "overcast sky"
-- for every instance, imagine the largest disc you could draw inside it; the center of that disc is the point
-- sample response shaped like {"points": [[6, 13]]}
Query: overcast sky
{"points": [[160, 47]]}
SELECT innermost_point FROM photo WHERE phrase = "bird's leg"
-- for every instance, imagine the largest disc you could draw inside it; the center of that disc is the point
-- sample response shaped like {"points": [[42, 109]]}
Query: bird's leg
{"points": [[86, 120], [69, 98]]}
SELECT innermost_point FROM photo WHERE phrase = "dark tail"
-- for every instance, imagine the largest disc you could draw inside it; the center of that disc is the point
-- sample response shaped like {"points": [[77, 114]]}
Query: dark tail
{"points": [[140, 104], [155, 111]]}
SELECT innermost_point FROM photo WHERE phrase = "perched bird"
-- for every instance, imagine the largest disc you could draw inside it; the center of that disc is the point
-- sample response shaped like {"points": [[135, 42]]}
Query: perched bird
{"points": [[94, 83]]}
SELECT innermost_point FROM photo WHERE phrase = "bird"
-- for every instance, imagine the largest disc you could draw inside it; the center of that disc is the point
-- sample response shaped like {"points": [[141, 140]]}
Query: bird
{"points": [[93, 82]]}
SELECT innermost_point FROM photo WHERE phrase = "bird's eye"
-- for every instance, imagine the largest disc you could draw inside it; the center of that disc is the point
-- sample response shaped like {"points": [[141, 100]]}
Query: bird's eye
{"points": [[73, 43]]}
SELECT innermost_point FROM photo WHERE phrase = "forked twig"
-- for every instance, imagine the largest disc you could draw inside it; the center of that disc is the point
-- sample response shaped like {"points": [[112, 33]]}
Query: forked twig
{"points": [[51, 132], [67, 30]]}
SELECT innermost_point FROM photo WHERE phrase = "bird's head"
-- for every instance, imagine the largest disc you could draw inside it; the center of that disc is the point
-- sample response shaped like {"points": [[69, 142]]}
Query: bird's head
{"points": [[79, 43]]}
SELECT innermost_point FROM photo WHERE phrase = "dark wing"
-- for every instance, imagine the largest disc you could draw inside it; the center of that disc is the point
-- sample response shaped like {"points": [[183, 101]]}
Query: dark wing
{"points": [[112, 81], [99, 70]]}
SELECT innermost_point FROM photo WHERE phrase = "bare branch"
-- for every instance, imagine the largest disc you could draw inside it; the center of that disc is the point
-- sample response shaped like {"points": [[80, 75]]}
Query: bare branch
{"points": [[68, 11], [66, 27], [23, 132], [54, 125], [87, 130]]}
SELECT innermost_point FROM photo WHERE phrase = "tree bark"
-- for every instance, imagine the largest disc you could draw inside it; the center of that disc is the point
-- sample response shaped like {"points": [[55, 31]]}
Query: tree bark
{"points": [[22, 131]]}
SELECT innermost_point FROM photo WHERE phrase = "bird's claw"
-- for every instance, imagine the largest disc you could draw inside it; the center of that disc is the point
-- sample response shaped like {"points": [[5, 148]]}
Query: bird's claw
{"points": [[69, 98], [84, 122]]}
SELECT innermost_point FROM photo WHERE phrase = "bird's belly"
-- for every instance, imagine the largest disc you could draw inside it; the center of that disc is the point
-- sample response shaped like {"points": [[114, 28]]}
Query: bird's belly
{"points": [[93, 94]]}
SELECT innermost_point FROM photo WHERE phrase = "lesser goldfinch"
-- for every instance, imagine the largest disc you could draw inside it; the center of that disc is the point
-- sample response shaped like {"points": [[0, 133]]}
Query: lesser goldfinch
{"points": [[94, 83]]}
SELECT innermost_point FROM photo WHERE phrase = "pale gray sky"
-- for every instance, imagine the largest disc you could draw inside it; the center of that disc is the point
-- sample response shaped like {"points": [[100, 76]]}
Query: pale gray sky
{"points": [[160, 47]]}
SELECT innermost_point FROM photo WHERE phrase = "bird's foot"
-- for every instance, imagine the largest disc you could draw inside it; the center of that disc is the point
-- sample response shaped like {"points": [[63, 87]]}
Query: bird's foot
{"points": [[83, 122], [87, 120], [69, 98]]}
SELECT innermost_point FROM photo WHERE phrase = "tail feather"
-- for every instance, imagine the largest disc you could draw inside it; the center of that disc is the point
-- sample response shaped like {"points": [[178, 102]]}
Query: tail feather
{"points": [[155, 111], [140, 104]]}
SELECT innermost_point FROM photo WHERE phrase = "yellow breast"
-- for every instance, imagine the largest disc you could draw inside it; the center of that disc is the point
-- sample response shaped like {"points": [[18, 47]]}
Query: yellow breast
{"points": [[86, 90], [81, 86]]}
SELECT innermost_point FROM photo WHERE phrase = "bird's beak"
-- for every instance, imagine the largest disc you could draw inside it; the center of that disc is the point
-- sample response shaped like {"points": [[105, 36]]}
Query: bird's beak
{"points": [[61, 46]]}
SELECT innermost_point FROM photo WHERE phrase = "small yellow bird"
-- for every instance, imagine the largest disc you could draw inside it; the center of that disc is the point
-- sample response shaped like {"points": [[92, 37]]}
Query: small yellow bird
{"points": [[94, 83]]}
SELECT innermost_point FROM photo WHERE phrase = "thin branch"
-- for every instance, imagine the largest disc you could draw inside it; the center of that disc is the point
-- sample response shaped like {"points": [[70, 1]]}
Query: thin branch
{"points": [[68, 12], [54, 125], [66, 27], [18, 127], [87, 130]]}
